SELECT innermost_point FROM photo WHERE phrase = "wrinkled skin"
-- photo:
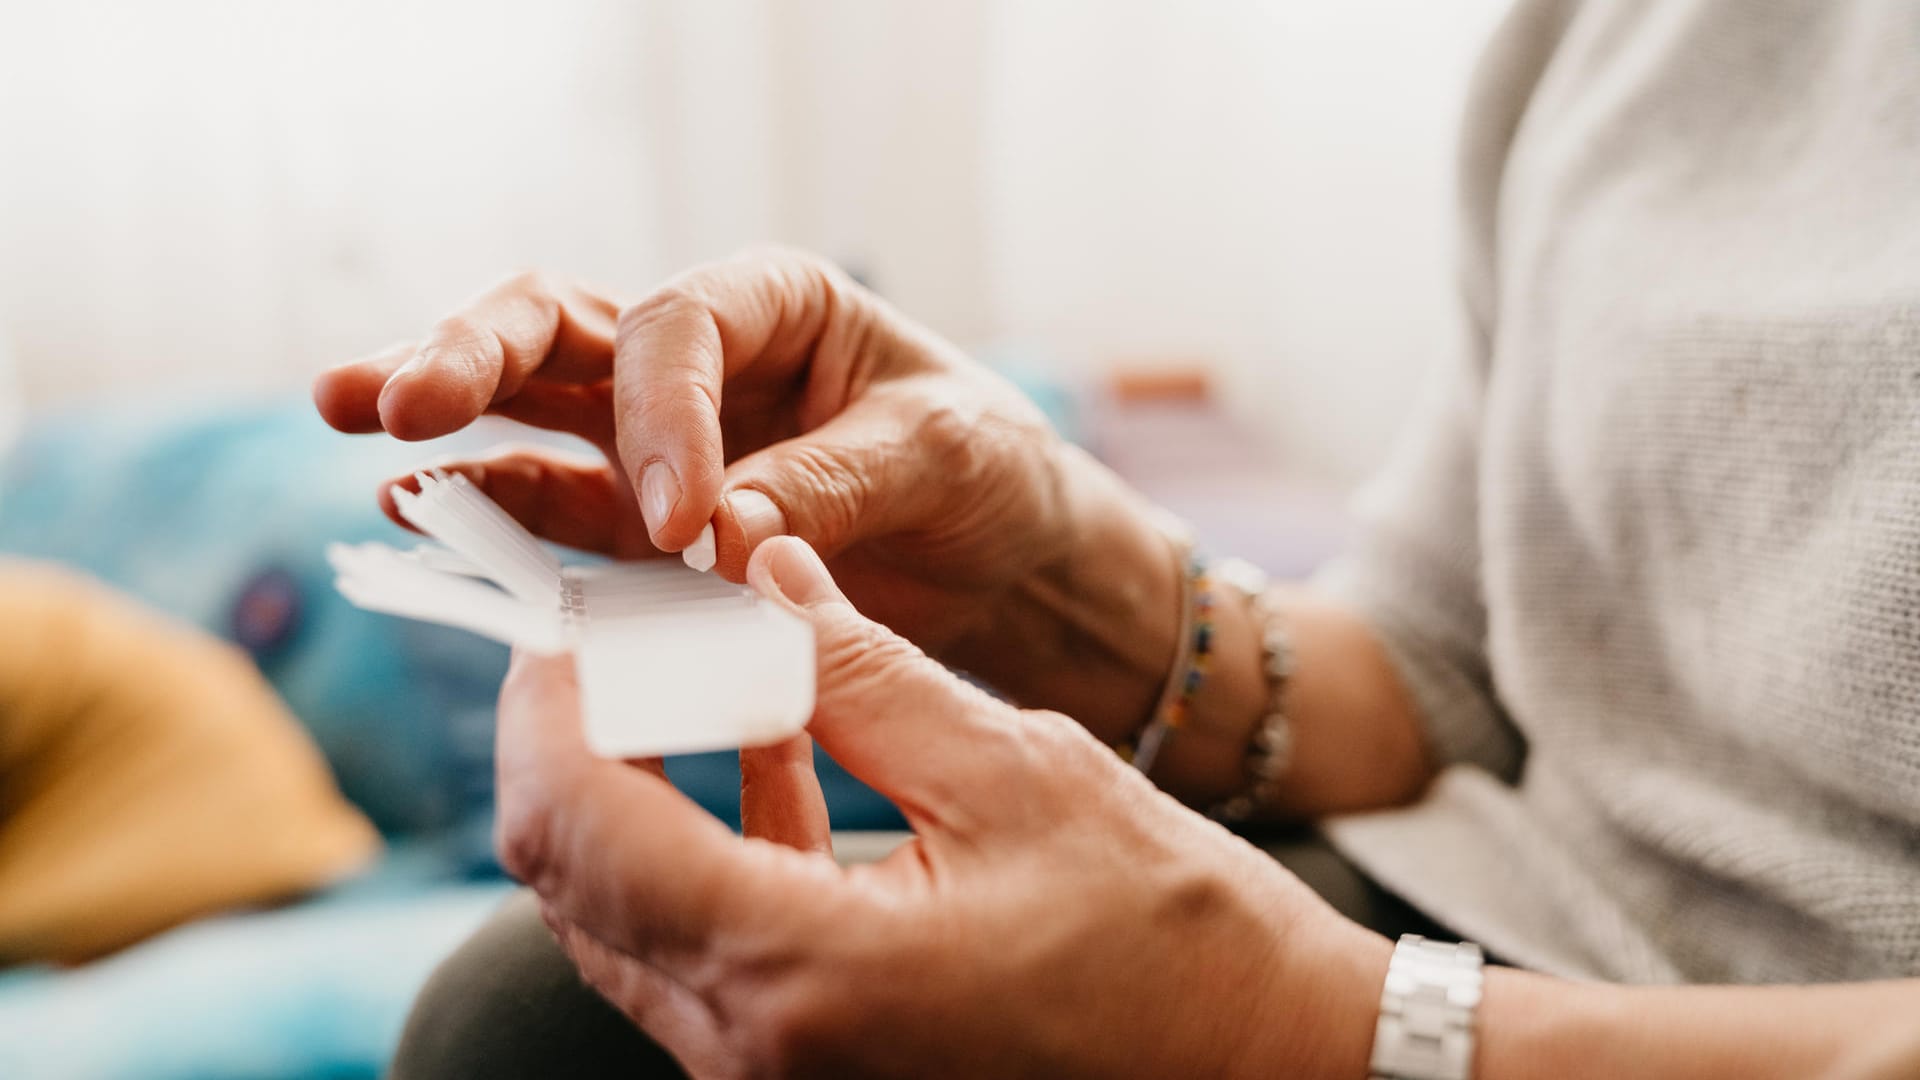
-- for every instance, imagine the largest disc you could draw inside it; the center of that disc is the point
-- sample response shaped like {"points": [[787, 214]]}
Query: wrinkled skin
{"points": [[1054, 915], [929, 483]]}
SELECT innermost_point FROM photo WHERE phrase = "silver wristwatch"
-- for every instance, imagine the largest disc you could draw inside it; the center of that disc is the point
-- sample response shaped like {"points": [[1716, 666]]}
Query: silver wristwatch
{"points": [[1426, 1011]]}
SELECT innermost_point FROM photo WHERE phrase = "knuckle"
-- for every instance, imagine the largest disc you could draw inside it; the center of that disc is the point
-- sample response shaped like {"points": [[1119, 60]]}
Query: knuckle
{"points": [[538, 296], [1055, 744], [808, 274], [457, 330], [1193, 895], [1053, 732], [828, 492], [949, 430], [1044, 745], [859, 654], [461, 340], [975, 444], [674, 299], [701, 286], [681, 294], [1055, 726]]}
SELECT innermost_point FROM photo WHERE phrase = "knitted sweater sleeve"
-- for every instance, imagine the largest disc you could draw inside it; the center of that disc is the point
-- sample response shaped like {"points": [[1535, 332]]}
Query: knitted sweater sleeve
{"points": [[1413, 571]]}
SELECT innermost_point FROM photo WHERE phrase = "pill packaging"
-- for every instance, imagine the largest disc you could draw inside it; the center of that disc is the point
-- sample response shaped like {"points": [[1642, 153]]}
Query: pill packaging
{"points": [[670, 660]]}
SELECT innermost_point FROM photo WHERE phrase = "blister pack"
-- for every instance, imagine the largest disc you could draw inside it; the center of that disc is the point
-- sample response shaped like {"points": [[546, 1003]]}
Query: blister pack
{"points": [[670, 660]]}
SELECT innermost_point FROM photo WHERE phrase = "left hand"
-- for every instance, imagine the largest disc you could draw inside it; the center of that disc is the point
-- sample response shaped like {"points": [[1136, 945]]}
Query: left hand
{"points": [[1053, 915], [765, 394]]}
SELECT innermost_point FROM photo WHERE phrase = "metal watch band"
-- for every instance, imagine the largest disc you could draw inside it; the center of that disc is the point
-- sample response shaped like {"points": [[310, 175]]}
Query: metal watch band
{"points": [[1426, 1011]]}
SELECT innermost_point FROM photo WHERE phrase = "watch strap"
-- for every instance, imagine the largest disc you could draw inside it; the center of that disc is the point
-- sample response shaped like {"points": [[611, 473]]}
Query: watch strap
{"points": [[1427, 1011]]}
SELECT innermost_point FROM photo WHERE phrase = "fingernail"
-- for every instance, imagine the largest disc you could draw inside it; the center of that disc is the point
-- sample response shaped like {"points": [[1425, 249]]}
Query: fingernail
{"points": [[407, 369], [757, 517], [659, 494], [799, 574]]}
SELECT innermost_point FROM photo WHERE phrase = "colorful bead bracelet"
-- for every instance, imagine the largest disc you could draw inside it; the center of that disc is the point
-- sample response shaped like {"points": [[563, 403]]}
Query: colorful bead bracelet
{"points": [[1190, 666]]}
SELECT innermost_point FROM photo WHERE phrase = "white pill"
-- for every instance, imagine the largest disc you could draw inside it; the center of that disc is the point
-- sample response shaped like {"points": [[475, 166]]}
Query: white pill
{"points": [[700, 554]]}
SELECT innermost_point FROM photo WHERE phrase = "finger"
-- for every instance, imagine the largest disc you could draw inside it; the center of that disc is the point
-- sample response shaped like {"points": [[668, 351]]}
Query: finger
{"points": [[832, 487], [780, 798], [673, 1016], [892, 716], [486, 352], [677, 349], [575, 501], [615, 849], [348, 396]]}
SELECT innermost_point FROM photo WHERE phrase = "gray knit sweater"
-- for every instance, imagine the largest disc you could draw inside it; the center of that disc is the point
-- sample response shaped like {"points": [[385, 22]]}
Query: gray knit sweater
{"points": [[1650, 564]]}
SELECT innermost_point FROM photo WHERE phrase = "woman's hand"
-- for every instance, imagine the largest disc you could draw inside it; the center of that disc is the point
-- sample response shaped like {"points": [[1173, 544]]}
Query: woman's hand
{"points": [[768, 394], [1054, 914]]}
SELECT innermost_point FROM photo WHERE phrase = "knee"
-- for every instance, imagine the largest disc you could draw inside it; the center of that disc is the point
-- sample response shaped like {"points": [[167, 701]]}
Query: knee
{"points": [[508, 1003], [446, 1032]]}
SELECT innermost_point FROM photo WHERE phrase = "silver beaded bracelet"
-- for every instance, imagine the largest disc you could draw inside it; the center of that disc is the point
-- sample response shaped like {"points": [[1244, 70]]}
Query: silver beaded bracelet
{"points": [[1270, 750]]}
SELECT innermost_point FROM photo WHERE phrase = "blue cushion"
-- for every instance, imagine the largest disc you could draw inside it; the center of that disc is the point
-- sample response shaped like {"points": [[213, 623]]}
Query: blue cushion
{"points": [[317, 990]]}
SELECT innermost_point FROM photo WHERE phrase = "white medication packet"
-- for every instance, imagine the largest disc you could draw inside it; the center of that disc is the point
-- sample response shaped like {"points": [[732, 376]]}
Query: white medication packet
{"points": [[670, 660]]}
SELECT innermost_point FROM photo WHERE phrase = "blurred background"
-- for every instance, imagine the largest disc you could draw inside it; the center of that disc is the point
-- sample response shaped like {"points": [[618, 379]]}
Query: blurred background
{"points": [[235, 193], [1212, 239]]}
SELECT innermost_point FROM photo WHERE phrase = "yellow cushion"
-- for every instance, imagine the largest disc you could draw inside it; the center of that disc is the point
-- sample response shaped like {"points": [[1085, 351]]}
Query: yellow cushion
{"points": [[148, 775]]}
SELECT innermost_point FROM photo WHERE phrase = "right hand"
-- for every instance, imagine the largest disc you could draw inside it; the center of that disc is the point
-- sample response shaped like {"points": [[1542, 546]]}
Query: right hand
{"points": [[769, 394], [1052, 915]]}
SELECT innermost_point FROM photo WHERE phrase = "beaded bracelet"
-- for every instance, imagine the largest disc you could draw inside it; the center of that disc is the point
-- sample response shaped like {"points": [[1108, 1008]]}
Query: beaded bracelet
{"points": [[1189, 667], [1270, 750]]}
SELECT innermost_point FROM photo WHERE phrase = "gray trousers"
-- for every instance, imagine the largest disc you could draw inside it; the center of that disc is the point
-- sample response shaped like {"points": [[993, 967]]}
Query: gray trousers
{"points": [[508, 1004]]}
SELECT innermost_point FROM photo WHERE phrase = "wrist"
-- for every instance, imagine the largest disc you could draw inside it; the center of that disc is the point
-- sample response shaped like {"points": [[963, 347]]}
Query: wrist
{"points": [[1206, 760], [1316, 1017], [1429, 1011], [1537, 1025]]}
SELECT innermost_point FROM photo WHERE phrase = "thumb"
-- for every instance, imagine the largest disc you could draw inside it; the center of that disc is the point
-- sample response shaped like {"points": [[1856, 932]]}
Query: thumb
{"points": [[852, 477], [886, 711]]}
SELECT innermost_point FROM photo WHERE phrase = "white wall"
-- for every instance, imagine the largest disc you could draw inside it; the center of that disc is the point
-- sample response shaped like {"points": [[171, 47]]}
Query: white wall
{"points": [[240, 192], [243, 191], [1267, 184]]}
